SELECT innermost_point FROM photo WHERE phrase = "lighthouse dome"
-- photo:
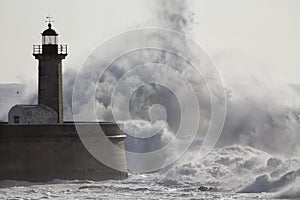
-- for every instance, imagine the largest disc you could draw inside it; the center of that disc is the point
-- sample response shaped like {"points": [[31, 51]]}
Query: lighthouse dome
{"points": [[49, 31]]}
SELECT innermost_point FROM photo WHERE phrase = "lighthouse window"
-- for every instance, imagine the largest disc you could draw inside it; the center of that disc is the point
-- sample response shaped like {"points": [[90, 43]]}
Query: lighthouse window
{"points": [[16, 119], [49, 39]]}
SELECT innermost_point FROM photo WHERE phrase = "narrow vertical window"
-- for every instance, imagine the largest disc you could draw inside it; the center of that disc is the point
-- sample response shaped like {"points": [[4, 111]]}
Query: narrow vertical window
{"points": [[16, 119]]}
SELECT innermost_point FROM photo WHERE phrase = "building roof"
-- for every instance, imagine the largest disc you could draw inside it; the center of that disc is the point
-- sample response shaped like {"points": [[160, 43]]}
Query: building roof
{"points": [[36, 109], [49, 31]]}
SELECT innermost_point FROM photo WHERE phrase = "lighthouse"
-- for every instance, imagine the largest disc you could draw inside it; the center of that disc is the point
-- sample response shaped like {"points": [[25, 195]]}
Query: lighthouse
{"points": [[50, 55], [36, 145]]}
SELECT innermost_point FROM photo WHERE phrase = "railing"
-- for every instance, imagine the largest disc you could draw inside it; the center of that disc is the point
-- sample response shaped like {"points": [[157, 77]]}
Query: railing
{"points": [[37, 49], [61, 49]]}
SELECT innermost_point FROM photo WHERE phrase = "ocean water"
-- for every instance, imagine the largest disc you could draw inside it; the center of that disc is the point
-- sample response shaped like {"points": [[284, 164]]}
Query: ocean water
{"points": [[232, 172], [262, 112], [136, 187]]}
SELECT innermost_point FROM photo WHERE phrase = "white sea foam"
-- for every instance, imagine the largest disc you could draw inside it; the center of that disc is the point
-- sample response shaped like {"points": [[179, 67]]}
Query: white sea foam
{"points": [[254, 153]]}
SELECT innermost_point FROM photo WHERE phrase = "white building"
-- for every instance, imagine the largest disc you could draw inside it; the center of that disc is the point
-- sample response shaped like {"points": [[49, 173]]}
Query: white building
{"points": [[32, 114]]}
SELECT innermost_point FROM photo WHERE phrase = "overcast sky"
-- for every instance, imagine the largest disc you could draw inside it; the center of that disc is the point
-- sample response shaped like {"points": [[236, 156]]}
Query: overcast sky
{"points": [[264, 30]]}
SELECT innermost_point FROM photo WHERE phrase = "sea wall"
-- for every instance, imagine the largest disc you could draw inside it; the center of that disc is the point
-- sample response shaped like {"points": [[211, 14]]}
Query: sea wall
{"points": [[55, 151]]}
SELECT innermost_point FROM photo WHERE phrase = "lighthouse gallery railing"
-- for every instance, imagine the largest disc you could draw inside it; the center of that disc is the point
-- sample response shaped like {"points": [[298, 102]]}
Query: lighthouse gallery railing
{"points": [[61, 49]]}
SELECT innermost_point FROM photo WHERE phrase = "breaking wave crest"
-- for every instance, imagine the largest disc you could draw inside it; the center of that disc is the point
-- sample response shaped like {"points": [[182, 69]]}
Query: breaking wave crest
{"points": [[241, 169]]}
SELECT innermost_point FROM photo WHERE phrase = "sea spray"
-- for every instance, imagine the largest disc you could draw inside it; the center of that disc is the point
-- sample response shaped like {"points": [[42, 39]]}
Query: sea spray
{"points": [[263, 112]]}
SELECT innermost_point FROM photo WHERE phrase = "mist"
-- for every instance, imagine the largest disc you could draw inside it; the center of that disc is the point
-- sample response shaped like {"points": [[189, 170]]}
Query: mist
{"points": [[262, 109], [146, 90]]}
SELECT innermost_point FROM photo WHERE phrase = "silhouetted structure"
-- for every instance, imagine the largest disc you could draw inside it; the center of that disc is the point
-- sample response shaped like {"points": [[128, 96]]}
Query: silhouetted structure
{"points": [[36, 145]]}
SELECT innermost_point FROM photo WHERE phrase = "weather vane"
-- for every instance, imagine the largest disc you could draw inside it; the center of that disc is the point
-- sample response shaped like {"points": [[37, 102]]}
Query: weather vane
{"points": [[49, 19]]}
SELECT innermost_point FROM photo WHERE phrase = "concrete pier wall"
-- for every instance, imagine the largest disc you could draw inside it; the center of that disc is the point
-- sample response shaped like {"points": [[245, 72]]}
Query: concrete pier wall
{"points": [[47, 152]]}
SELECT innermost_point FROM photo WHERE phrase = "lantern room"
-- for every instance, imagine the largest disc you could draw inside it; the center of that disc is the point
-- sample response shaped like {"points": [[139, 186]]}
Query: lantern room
{"points": [[49, 36], [49, 44]]}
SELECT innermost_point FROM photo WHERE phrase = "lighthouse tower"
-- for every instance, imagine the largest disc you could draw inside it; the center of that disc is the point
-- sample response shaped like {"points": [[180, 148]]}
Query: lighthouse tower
{"points": [[49, 56]]}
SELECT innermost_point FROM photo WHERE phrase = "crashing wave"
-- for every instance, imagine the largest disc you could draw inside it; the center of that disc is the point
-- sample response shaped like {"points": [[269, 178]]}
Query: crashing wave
{"points": [[242, 169]]}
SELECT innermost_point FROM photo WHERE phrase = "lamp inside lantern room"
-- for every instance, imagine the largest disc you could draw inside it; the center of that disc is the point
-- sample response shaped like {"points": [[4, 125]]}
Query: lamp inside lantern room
{"points": [[49, 36]]}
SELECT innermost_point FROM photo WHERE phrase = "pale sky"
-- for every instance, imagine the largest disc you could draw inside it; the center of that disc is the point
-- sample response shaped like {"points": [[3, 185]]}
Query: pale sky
{"points": [[266, 30]]}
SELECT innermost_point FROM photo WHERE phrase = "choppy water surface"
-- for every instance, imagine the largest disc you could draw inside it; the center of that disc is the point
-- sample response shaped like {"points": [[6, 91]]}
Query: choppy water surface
{"points": [[233, 172], [136, 187]]}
